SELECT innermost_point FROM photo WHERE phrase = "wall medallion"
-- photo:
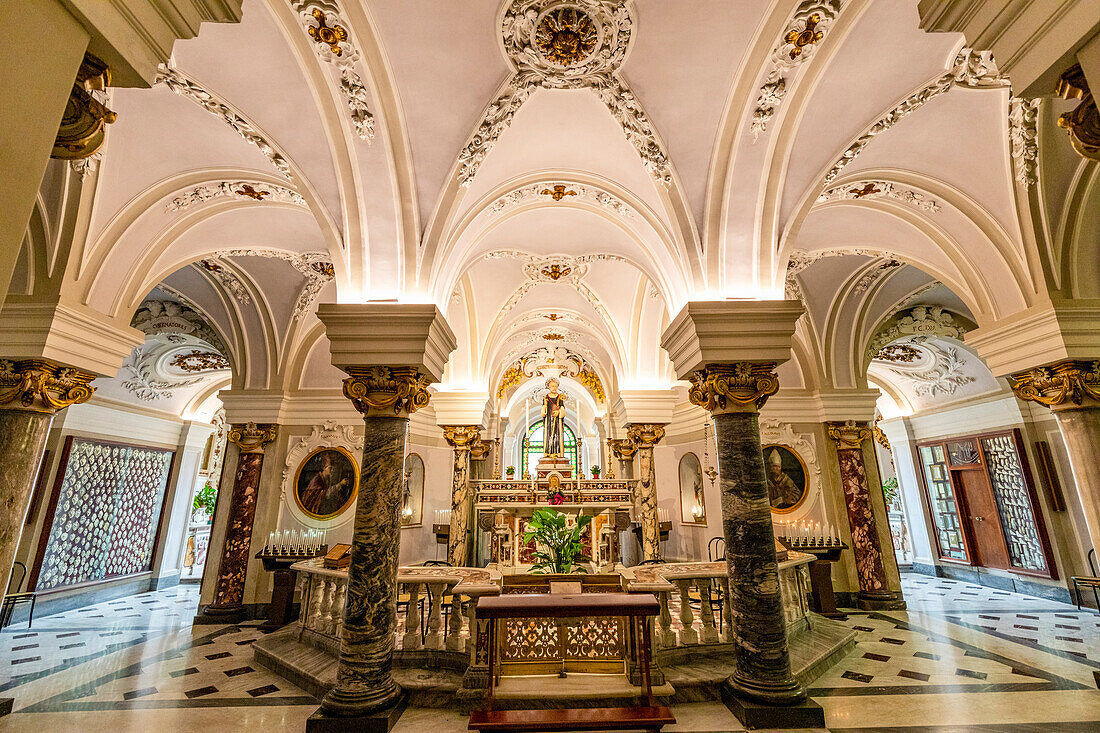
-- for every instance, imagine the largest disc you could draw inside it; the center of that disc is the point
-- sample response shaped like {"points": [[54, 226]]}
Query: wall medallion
{"points": [[326, 483], [787, 478]]}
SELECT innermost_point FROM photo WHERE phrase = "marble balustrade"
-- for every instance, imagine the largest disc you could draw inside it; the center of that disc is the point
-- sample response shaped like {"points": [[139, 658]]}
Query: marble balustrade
{"points": [[685, 591]]}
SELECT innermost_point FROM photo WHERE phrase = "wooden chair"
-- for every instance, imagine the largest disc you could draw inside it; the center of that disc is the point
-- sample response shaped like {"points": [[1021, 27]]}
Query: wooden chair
{"points": [[14, 597], [1087, 581]]}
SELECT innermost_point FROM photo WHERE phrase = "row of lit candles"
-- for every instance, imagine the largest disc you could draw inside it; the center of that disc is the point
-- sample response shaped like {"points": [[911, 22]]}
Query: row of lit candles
{"points": [[806, 533], [307, 542]]}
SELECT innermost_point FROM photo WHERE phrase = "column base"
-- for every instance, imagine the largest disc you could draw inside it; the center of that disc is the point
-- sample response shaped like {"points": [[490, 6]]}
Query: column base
{"points": [[378, 721], [226, 615], [880, 601], [753, 714]]}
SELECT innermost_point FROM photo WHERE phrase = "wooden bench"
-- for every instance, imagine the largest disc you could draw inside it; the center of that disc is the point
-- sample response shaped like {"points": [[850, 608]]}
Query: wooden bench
{"points": [[635, 607], [534, 721]]}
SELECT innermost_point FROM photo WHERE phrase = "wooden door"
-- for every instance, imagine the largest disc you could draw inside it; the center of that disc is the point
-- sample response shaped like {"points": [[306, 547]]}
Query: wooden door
{"points": [[981, 518]]}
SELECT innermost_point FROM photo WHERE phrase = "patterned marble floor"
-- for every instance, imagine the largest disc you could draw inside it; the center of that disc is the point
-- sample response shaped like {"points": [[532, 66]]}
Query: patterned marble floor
{"points": [[963, 657]]}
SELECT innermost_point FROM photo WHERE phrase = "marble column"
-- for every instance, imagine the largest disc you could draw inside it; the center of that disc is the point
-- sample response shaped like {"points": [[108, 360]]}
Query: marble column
{"points": [[733, 394], [31, 391], [250, 439], [385, 396], [461, 438], [874, 589], [1071, 389], [644, 436]]}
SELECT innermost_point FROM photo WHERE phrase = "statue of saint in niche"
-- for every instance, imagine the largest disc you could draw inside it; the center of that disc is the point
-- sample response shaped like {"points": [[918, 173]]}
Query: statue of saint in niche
{"points": [[553, 420]]}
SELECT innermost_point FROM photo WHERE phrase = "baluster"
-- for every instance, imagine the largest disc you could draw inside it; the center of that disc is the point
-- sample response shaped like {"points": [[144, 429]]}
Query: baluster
{"points": [[338, 607], [666, 637], [727, 612], [316, 591], [411, 639], [688, 634], [327, 623], [706, 612], [434, 639], [471, 627], [455, 642]]}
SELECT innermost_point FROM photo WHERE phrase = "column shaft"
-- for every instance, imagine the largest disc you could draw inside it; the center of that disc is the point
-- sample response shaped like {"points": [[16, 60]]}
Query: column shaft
{"points": [[760, 639], [364, 679], [250, 440], [462, 438], [22, 442], [1081, 431], [645, 436]]}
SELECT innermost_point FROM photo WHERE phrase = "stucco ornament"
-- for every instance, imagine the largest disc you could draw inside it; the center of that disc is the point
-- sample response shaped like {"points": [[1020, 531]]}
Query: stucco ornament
{"points": [[575, 44], [169, 362], [323, 22], [927, 320], [935, 369]]}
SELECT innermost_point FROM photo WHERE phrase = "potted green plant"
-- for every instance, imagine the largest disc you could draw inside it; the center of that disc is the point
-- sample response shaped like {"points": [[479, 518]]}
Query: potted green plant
{"points": [[204, 502], [510, 472], [559, 546], [595, 473], [890, 490]]}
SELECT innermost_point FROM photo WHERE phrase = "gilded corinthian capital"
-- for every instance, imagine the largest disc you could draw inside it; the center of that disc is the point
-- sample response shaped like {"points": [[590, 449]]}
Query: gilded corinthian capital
{"points": [[462, 437], [381, 391], [40, 385], [252, 437], [1062, 385], [738, 387], [645, 435], [848, 435]]}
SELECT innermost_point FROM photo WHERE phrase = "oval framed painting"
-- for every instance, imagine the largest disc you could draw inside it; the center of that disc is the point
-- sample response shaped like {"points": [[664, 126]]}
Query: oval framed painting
{"points": [[787, 476], [693, 506], [412, 491], [326, 483]]}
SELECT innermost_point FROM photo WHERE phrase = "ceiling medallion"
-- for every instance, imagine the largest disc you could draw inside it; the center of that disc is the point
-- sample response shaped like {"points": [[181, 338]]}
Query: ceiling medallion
{"points": [[808, 36], [898, 353], [199, 361], [557, 193], [250, 192], [566, 36], [553, 337], [551, 316], [556, 272], [331, 36]]}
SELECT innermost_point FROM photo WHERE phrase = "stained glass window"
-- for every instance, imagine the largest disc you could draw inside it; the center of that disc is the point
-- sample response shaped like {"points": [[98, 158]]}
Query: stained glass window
{"points": [[532, 448]]}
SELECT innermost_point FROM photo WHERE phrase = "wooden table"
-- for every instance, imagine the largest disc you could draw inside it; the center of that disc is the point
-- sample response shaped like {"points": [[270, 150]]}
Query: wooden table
{"points": [[636, 608]]}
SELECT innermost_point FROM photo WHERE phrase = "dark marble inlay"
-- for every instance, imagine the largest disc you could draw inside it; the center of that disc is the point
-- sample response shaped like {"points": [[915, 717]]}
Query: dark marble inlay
{"points": [[891, 640], [876, 657], [238, 671], [219, 655], [25, 646], [200, 692], [921, 676], [139, 693], [970, 673], [858, 677], [25, 659], [265, 690], [183, 672], [229, 591]]}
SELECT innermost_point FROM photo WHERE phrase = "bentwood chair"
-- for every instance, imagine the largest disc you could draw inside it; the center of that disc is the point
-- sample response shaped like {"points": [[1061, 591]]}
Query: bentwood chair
{"points": [[14, 597], [1087, 581]]}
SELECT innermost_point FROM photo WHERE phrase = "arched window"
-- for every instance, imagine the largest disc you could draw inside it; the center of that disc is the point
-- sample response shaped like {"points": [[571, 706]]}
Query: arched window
{"points": [[532, 448]]}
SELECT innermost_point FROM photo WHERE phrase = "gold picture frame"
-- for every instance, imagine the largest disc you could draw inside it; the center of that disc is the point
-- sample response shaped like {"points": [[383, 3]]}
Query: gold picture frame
{"points": [[321, 497], [794, 471]]}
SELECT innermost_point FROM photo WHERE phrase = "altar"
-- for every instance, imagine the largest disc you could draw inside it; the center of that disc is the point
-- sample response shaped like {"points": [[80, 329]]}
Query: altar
{"points": [[503, 509]]}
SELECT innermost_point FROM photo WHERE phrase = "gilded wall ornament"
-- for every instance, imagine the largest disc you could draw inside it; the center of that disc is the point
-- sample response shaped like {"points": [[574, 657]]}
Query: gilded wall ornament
{"points": [[83, 128], [897, 353], [566, 36], [381, 391], [185, 86], [556, 271], [872, 190], [553, 336], [323, 22], [645, 435], [327, 35], [199, 361], [40, 385], [252, 437], [256, 190], [879, 435], [1082, 123], [805, 30], [558, 192], [738, 387], [623, 448], [1064, 384], [592, 382], [847, 434]]}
